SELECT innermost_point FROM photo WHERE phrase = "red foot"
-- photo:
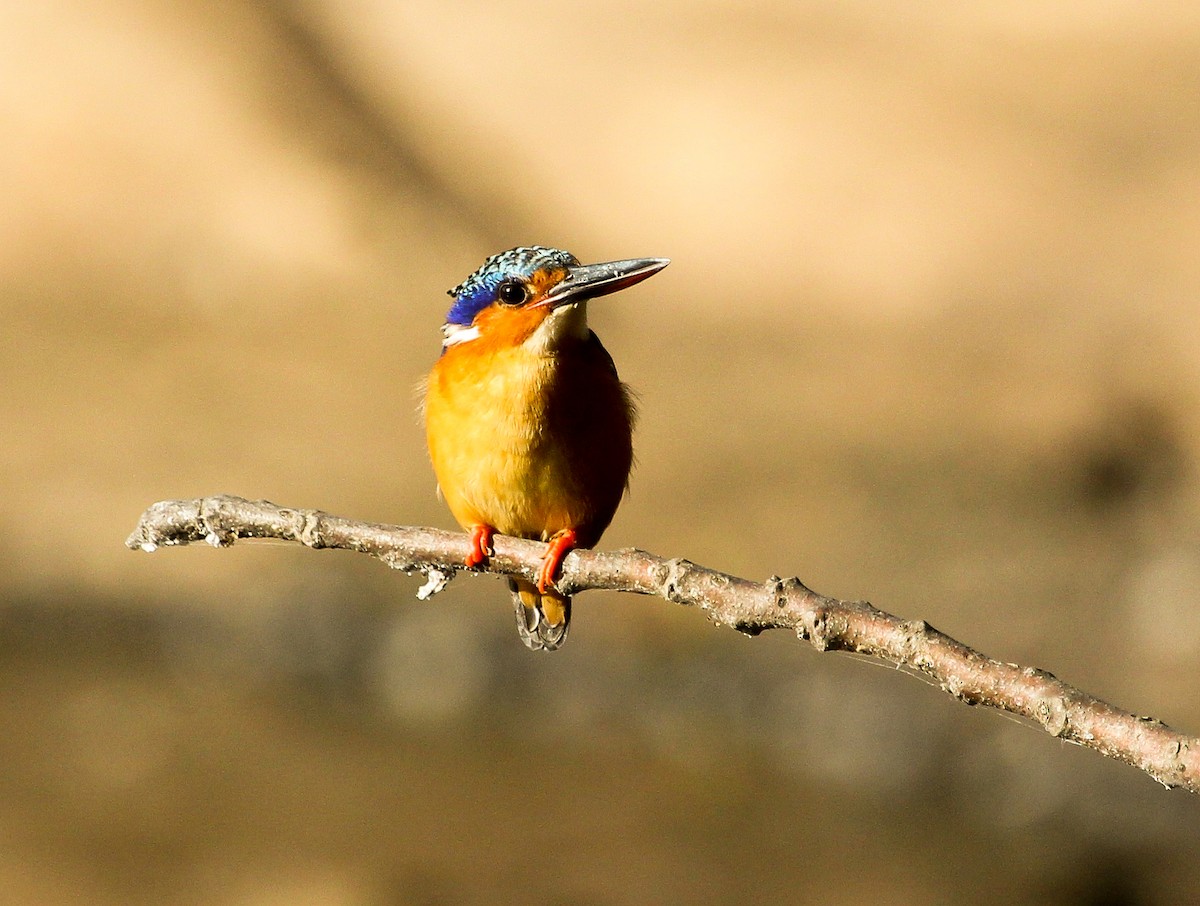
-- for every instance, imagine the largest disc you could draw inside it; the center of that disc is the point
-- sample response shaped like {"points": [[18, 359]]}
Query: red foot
{"points": [[560, 545], [481, 544]]}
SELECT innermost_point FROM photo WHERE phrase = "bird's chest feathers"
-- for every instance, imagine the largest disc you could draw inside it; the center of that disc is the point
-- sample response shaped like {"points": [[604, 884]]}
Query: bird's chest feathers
{"points": [[496, 435], [508, 401]]}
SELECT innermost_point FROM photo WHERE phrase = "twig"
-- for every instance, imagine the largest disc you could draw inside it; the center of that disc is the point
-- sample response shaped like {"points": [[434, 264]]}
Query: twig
{"points": [[827, 623]]}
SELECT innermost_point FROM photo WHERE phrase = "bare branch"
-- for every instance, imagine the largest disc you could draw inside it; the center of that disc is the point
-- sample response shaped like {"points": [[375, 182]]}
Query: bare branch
{"points": [[827, 623]]}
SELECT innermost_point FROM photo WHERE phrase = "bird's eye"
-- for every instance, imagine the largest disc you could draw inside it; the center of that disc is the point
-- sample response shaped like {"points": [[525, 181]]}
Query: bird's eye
{"points": [[512, 293]]}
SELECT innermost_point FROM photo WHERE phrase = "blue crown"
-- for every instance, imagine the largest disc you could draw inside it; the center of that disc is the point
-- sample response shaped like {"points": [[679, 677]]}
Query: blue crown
{"points": [[478, 291]]}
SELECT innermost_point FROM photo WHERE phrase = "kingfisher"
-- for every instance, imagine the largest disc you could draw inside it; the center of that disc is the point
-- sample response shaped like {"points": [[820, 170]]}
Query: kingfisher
{"points": [[530, 429]]}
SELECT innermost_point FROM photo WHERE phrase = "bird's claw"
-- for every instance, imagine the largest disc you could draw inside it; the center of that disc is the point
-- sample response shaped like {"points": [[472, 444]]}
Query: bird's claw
{"points": [[481, 545], [560, 545]]}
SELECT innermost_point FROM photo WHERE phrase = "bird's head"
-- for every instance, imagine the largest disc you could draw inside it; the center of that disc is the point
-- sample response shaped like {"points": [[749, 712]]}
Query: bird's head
{"points": [[535, 296]]}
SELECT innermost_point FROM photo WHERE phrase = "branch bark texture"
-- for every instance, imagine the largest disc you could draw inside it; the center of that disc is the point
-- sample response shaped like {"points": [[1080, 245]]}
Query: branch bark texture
{"points": [[750, 607]]}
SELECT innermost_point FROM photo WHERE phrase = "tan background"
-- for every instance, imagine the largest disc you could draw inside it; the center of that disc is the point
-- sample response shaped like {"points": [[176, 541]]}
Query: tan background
{"points": [[930, 337]]}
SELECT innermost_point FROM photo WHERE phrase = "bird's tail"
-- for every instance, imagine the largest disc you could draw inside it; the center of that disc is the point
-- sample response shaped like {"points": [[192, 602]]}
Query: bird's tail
{"points": [[542, 618]]}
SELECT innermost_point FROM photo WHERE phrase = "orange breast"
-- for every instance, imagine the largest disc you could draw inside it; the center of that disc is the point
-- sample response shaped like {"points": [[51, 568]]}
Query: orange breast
{"points": [[530, 444]]}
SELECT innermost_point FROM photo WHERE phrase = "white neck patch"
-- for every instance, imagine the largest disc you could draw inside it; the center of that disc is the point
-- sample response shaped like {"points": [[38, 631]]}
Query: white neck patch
{"points": [[453, 334], [570, 321]]}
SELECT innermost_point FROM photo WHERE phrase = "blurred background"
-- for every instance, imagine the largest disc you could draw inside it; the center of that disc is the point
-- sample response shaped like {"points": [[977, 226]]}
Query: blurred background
{"points": [[930, 337]]}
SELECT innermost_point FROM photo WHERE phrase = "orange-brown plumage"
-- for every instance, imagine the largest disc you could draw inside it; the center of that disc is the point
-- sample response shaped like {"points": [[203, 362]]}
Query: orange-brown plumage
{"points": [[529, 427], [530, 444]]}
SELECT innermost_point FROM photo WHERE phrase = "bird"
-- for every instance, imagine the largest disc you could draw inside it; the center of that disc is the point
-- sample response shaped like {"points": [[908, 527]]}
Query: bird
{"points": [[529, 428]]}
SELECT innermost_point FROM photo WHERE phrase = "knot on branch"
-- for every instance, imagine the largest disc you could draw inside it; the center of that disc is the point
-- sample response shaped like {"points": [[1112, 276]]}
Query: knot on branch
{"points": [[815, 627], [1054, 715], [676, 570], [311, 529], [792, 584], [783, 591], [916, 639]]}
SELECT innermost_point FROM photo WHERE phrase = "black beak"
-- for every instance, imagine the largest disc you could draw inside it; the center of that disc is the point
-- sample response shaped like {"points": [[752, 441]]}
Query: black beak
{"points": [[587, 281]]}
